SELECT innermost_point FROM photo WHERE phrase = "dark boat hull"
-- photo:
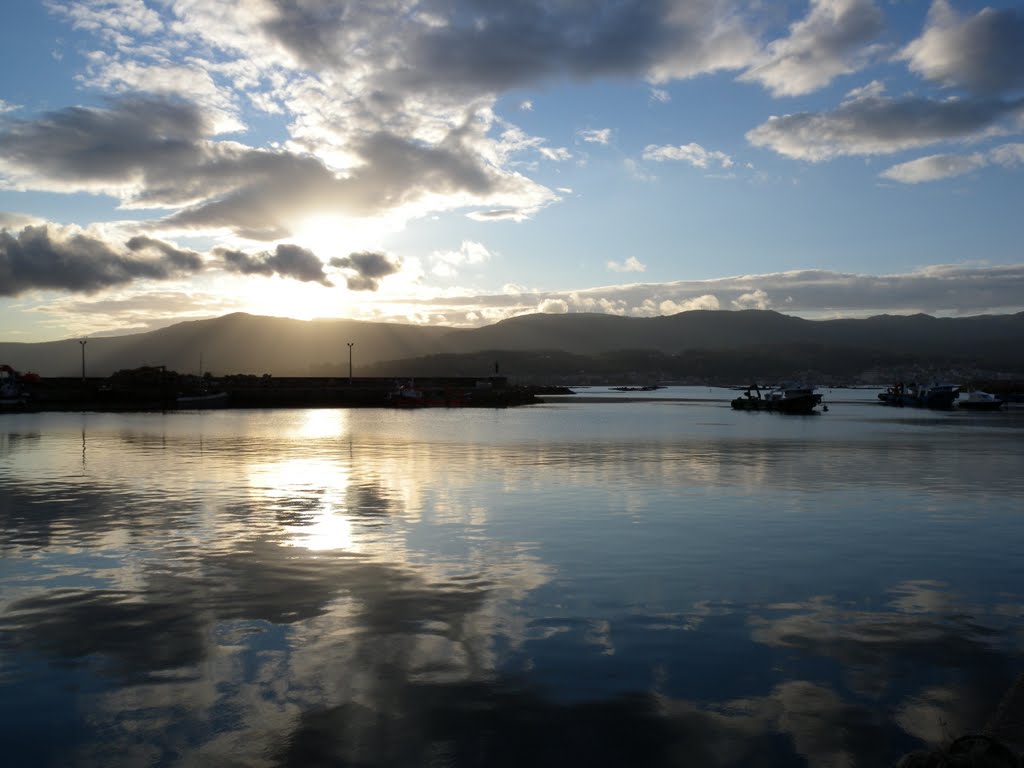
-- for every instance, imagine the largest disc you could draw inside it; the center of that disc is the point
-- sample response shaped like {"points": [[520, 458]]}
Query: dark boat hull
{"points": [[799, 404]]}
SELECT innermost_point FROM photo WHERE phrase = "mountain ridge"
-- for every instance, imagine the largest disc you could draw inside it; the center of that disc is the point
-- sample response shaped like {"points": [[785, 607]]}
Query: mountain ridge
{"points": [[257, 344]]}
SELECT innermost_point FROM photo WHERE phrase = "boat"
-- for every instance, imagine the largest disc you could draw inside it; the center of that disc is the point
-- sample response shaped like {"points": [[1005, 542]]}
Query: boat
{"points": [[981, 401], [12, 396], [937, 396], [941, 396], [410, 396], [787, 398], [202, 400]]}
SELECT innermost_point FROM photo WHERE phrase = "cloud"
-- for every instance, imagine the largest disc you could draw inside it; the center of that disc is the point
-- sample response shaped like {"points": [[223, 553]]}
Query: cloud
{"points": [[116, 19], [553, 307], [830, 41], [668, 307], [557, 154], [11, 220], [155, 153], [933, 167], [530, 41], [179, 258], [981, 53], [191, 81], [64, 259], [290, 261], [389, 110], [632, 264], [1008, 155], [660, 95], [140, 150], [595, 135], [872, 124], [944, 290], [937, 167], [369, 268], [757, 299], [691, 153], [447, 263]]}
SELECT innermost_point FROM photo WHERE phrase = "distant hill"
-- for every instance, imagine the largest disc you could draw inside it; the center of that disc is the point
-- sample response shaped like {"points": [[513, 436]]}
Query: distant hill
{"points": [[700, 342], [236, 343]]}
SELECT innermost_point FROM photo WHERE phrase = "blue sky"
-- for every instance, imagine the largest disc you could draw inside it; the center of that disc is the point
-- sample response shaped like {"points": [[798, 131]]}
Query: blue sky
{"points": [[455, 162]]}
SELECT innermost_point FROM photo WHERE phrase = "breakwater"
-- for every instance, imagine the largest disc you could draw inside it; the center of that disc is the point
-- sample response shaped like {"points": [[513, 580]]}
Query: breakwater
{"points": [[166, 391]]}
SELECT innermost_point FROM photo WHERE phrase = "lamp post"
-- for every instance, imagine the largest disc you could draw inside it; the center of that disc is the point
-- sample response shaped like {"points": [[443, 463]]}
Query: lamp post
{"points": [[350, 345], [83, 342]]}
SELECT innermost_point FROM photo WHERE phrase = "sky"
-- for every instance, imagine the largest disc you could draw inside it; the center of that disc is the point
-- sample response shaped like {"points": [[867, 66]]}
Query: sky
{"points": [[458, 162]]}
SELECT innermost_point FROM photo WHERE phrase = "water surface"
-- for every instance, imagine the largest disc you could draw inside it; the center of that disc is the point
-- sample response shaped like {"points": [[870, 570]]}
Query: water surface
{"points": [[665, 582]]}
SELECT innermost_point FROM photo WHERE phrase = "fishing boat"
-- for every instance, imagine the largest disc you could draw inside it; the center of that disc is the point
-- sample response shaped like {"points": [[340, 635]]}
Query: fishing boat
{"points": [[787, 398], [936, 396]]}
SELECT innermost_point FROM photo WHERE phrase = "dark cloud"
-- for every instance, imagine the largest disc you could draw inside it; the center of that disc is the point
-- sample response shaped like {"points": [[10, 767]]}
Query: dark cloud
{"points": [[35, 258], [287, 261], [369, 267], [981, 53], [872, 124], [178, 257], [136, 141], [484, 46]]}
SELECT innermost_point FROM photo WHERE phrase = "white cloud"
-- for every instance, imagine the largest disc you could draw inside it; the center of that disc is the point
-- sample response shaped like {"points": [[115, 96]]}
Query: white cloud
{"points": [[937, 167], [691, 153], [660, 95], [558, 154], [830, 41], [632, 264], [595, 135], [707, 301], [448, 263], [757, 299], [553, 307], [526, 106], [933, 168], [1008, 155]]}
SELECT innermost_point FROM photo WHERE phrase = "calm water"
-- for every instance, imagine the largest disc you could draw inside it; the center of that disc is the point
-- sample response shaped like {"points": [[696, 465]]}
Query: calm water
{"points": [[627, 583]]}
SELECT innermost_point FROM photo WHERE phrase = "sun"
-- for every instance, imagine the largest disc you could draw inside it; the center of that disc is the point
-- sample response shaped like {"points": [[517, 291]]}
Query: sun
{"points": [[330, 236]]}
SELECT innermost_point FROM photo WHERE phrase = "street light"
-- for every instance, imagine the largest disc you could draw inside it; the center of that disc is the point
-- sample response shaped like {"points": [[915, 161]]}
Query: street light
{"points": [[350, 345], [83, 342]]}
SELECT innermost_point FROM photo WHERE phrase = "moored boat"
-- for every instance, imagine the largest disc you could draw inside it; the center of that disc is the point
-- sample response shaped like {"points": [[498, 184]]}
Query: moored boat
{"points": [[12, 396], [202, 400], [936, 396], [981, 401], [410, 396], [789, 398]]}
